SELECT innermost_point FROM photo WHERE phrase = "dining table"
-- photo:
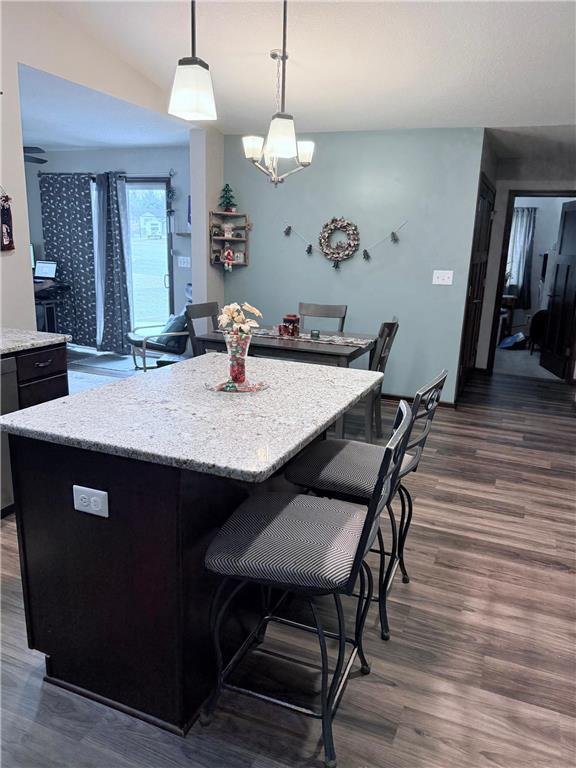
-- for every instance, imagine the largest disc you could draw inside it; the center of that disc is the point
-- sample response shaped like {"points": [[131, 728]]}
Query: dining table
{"points": [[332, 348]]}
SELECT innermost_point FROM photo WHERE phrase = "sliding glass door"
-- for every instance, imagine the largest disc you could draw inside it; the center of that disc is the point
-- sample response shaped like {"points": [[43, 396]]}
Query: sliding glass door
{"points": [[150, 247]]}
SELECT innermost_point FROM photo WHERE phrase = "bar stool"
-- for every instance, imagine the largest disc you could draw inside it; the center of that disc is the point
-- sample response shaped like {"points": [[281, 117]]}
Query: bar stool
{"points": [[306, 546], [346, 469]]}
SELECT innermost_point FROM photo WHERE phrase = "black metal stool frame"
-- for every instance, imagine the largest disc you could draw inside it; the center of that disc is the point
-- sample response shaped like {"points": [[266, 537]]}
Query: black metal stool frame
{"points": [[331, 693]]}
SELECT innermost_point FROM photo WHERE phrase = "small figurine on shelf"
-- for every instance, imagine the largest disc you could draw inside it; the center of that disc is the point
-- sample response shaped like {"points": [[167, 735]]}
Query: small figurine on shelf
{"points": [[227, 202], [228, 230], [228, 258]]}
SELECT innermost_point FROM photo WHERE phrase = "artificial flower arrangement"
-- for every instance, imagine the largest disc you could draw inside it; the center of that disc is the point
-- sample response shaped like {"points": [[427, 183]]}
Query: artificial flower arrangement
{"points": [[237, 330], [232, 318]]}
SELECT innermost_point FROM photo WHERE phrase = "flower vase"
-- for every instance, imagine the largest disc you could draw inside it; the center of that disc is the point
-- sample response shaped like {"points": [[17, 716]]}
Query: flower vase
{"points": [[237, 344]]}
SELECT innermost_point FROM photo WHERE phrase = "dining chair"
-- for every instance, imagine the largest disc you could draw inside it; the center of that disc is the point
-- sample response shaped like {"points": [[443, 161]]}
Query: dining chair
{"points": [[208, 310], [336, 311], [346, 470], [302, 546], [378, 362]]}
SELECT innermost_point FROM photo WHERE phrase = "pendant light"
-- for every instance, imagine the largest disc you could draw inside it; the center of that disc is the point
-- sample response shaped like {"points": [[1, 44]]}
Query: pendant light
{"points": [[280, 146], [192, 96]]}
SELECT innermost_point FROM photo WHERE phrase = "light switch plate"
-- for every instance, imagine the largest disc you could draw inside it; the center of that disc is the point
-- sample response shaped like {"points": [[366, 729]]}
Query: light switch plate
{"points": [[184, 261], [442, 277], [90, 500]]}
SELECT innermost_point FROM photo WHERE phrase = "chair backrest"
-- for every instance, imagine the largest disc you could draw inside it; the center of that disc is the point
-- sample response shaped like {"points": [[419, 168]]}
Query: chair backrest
{"points": [[385, 487], [337, 311], [423, 409], [197, 312], [381, 351]]}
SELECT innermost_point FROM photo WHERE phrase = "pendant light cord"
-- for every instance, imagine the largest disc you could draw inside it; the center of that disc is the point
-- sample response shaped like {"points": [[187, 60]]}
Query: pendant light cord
{"points": [[284, 24], [193, 26]]}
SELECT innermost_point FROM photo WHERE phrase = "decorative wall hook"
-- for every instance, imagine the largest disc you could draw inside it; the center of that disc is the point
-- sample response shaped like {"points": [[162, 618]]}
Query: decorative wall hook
{"points": [[309, 249], [288, 230], [394, 237], [365, 255]]}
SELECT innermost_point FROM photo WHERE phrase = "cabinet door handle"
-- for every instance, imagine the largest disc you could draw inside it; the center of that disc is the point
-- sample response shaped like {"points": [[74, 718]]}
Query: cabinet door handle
{"points": [[44, 364]]}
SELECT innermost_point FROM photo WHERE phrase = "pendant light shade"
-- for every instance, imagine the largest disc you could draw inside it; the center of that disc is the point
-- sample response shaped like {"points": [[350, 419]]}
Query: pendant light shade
{"points": [[281, 138], [192, 96]]}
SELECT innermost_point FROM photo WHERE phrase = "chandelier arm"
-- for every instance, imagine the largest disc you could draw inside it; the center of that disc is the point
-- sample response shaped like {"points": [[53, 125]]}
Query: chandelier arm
{"points": [[299, 167], [193, 27], [284, 56]]}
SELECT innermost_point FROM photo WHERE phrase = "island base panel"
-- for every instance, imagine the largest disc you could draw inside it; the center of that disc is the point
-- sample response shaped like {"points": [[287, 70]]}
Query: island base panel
{"points": [[120, 604]]}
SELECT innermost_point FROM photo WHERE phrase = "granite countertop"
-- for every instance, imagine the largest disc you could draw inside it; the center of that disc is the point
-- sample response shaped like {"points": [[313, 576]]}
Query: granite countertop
{"points": [[19, 340], [168, 416]]}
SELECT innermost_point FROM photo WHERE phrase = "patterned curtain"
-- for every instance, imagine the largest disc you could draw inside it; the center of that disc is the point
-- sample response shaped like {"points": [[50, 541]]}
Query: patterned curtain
{"points": [[116, 269], [67, 227]]}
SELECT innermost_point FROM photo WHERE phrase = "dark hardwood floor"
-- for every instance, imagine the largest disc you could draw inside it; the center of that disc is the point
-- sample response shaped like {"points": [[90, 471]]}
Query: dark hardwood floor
{"points": [[479, 672]]}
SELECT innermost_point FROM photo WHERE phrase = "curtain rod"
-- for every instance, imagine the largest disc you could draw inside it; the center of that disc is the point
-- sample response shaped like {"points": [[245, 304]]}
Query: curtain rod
{"points": [[124, 174]]}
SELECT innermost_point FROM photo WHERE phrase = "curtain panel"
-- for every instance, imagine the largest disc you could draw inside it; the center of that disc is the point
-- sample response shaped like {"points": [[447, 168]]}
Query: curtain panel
{"points": [[67, 228], [112, 262], [519, 262]]}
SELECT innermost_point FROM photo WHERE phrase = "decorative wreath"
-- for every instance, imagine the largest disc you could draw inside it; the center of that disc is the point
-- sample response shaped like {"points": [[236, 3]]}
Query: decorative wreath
{"points": [[344, 249]]}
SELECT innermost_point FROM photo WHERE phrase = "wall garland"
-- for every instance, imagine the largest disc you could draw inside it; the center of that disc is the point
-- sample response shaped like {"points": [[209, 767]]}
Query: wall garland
{"points": [[344, 249]]}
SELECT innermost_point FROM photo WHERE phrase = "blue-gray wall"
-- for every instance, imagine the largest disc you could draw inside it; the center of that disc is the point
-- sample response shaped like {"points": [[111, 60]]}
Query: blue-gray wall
{"points": [[378, 180]]}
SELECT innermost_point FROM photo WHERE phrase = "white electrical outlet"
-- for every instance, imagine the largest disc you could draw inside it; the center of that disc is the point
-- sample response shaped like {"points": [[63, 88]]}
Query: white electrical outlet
{"points": [[184, 261], [90, 500], [442, 277]]}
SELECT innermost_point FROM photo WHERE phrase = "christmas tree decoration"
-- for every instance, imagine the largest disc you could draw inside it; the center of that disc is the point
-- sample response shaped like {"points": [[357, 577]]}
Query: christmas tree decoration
{"points": [[288, 230], [365, 255], [227, 201], [309, 249]]}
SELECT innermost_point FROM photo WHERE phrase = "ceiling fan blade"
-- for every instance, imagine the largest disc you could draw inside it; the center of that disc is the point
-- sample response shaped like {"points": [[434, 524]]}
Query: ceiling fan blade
{"points": [[32, 159], [34, 151]]}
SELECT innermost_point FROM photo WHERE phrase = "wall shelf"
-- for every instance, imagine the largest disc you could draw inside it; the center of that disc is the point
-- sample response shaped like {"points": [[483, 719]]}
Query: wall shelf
{"points": [[236, 223]]}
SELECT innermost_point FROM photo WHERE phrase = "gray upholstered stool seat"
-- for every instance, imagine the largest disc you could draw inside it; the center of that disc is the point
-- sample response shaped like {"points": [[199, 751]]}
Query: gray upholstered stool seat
{"points": [[342, 467], [290, 539]]}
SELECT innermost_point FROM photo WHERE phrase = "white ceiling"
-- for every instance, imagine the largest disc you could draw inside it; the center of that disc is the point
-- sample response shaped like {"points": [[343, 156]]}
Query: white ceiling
{"points": [[359, 66], [58, 114]]}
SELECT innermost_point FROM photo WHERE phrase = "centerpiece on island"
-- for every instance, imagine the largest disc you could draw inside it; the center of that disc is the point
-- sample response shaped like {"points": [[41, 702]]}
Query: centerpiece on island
{"points": [[237, 330]]}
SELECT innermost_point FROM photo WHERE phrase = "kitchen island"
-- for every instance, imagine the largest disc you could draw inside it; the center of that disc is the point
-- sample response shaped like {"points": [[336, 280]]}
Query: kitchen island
{"points": [[119, 603]]}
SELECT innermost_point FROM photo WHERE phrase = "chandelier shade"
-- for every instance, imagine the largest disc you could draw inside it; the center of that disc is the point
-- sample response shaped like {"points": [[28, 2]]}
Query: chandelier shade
{"points": [[253, 147], [305, 152], [281, 139]]}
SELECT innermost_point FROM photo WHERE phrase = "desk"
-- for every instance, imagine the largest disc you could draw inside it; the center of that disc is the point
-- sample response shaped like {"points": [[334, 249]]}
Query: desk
{"points": [[119, 605]]}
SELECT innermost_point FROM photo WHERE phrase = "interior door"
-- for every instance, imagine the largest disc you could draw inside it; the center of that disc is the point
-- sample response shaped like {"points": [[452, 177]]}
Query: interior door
{"points": [[559, 340], [476, 280]]}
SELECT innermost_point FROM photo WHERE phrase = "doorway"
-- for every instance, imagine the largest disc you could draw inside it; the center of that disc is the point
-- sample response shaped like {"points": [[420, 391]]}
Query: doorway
{"points": [[533, 331]]}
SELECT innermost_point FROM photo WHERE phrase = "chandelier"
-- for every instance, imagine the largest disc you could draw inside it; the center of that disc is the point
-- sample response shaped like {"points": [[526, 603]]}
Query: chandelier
{"points": [[279, 155]]}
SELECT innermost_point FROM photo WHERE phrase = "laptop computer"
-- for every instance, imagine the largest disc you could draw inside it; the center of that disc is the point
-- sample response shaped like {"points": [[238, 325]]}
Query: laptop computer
{"points": [[45, 270]]}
